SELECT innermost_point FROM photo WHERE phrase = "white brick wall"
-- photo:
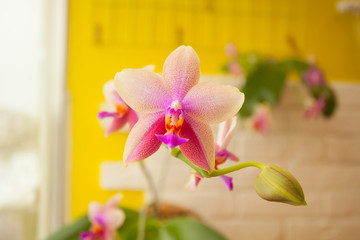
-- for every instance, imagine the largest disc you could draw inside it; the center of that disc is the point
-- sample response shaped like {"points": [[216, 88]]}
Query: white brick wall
{"points": [[324, 155]]}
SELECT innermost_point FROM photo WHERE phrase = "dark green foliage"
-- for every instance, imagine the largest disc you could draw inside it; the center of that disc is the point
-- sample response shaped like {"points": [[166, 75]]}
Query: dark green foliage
{"points": [[330, 99], [264, 83], [71, 232]]}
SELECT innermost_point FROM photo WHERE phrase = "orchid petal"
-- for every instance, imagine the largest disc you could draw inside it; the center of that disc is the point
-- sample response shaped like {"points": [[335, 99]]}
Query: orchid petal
{"points": [[109, 235], [200, 148], [87, 235], [95, 209], [142, 141], [223, 129], [181, 71], [150, 67], [114, 218], [233, 157], [229, 134], [213, 102], [133, 117], [105, 114], [228, 182], [143, 90], [114, 201], [194, 181], [116, 125], [109, 92]]}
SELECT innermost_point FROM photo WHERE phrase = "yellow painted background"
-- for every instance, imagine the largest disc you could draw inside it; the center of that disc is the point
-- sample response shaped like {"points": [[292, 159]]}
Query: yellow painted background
{"points": [[106, 36]]}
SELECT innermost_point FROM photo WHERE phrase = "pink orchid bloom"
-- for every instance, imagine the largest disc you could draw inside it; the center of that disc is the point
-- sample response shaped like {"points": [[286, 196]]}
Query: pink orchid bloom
{"points": [[231, 50], [226, 132], [115, 110], [115, 113], [235, 68], [315, 109], [261, 121], [105, 219], [176, 109], [314, 77]]}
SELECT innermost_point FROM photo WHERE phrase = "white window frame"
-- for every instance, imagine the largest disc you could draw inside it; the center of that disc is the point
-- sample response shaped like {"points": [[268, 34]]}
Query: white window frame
{"points": [[54, 122]]}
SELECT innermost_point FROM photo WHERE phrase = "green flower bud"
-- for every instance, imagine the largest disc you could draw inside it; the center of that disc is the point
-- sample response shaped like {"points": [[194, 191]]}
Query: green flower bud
{"points": [[278, 185]]}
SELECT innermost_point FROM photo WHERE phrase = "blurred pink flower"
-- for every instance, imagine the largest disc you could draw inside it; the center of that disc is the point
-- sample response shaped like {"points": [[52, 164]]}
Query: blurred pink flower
{"points": [[105, 219], [231, 51], [261, 120], [177, 110], [235, 68], [226, 132], [315, 109], [116, 110], [314, 77]]}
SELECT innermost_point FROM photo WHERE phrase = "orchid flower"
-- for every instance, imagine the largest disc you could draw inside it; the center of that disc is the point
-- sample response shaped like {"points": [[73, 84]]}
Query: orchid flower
{"points": [[231, 51], [116, 110], [105, 219], [234, 66], [314, 77], [315, 109], [176, 109], [226, 132], [261, 121]]}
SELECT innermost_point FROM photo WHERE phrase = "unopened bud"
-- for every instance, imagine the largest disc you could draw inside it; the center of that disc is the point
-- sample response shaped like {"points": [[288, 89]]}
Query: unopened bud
{"points": [[278, 185]]}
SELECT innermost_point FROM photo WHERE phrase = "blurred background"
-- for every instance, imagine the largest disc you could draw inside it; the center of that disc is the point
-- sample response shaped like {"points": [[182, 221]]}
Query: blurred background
{"points": [[55, 55]]}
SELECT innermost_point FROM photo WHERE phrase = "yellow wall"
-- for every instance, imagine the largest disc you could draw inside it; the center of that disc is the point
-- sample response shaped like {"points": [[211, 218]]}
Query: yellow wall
{"points": [[106, 36]]}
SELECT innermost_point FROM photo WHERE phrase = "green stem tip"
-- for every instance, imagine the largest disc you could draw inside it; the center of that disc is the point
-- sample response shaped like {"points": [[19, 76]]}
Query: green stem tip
{"points": [[215, 173]]}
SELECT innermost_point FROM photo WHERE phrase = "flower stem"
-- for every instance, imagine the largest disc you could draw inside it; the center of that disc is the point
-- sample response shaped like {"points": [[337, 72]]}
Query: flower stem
{"points": [[236, 167], [178, 154], [142, 222], [152, 188]]}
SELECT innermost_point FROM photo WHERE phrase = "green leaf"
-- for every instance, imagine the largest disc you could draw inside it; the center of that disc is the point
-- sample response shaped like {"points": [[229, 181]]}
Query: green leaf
{"points": [[173, 229], [330, 99], [186, 228], [296, 65], [72, 231], [264, 84], [249, 61]]}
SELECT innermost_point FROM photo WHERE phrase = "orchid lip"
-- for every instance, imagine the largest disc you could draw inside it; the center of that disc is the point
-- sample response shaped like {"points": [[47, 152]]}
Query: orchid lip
{"points": [[173, 123], [171, 140]]}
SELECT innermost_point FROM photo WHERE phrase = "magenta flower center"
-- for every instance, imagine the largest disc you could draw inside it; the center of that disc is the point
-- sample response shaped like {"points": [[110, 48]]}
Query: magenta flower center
{"points": [[174, 118]]}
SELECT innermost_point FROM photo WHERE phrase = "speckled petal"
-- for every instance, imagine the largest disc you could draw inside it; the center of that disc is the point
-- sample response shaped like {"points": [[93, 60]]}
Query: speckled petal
{"points": [[143, 90], [133, 117], [181, 71], [116, 125], [212, 102], [142, 141], [200, 149]]}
